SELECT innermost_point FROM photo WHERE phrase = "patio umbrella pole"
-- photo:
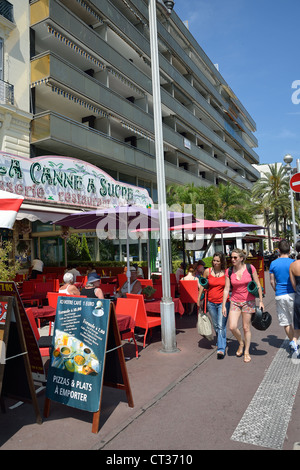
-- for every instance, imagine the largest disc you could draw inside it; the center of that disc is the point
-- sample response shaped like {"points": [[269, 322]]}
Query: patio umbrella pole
{"points": [[128, 274], [183, 250], [148, 258], [223, 246]]}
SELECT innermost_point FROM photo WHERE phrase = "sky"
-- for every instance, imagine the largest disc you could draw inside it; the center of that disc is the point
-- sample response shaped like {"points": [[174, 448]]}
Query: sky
{"points": [[256, 46]]}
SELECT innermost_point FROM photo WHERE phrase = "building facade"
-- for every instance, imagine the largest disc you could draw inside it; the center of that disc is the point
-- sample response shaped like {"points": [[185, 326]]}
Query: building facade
{"points": [[15, 115], [92, 96], [75, 79]]}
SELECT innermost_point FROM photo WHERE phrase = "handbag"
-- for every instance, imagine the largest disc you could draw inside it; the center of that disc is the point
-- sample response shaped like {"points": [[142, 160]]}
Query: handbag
{"points": [[204, 326], [261, 320]]}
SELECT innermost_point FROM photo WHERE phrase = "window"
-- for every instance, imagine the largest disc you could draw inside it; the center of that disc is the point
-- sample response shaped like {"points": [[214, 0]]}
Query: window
{"points": [[1, 58]]}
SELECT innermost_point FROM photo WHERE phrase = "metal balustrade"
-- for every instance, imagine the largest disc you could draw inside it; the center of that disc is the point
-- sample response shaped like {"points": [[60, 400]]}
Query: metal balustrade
{"points": [[6, 93], [7, 10]]}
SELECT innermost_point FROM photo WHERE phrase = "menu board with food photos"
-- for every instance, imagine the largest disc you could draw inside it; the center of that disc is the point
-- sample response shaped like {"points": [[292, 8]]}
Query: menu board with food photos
{"points": [[78, 357]]}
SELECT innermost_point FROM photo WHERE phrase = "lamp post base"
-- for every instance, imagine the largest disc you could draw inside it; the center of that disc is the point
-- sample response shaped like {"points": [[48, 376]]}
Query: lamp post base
{"points": [[168, 329]]}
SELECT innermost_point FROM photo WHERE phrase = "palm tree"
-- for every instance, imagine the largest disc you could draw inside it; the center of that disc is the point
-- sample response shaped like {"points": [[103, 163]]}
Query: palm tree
{"points": [[233, 203], [225, 201], [270, 190]]}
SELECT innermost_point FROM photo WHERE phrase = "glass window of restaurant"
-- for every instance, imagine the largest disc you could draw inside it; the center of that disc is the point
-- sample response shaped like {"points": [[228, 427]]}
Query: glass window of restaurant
{"points": [[51, 250]]}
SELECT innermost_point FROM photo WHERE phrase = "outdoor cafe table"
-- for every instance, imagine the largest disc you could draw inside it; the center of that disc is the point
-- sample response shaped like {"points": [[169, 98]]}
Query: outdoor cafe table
{"points": [[153, 306]]}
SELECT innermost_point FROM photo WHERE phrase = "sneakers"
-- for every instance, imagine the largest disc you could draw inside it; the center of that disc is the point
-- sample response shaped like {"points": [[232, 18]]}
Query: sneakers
{"points": [[293, 347]]}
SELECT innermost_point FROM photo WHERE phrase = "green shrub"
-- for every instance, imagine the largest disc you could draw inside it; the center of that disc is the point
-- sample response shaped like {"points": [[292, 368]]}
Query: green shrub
{"points": [[8, 267]]}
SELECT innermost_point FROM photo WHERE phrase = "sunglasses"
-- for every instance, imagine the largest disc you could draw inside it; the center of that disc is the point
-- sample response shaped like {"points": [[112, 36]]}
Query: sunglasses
{"points": [[234, 257]]}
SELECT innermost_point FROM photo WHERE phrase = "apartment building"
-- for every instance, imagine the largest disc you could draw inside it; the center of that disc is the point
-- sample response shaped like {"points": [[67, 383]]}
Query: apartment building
{"points": [[92, 97], [15, 115], [75, 83]]}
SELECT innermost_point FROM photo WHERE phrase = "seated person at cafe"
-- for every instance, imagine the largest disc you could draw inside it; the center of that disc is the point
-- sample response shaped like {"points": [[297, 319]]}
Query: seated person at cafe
{"points": [[139, 270], [200, 267], [68, 287], [92, 287], [192, 276], [135, 285], [91, 269], [73, 271], [180, 272]]}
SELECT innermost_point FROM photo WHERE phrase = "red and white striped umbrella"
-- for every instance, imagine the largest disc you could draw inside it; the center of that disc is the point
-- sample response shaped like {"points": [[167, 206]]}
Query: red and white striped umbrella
{"points": [[9, 206]]}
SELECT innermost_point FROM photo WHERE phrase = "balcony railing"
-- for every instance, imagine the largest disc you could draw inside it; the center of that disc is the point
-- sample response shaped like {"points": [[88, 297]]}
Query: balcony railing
{"points": [[7, 10], [6, 93]]}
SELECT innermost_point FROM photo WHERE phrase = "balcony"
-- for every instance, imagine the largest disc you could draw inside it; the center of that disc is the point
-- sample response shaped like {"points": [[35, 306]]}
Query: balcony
{"points": [[6, 93], [7, 10]]}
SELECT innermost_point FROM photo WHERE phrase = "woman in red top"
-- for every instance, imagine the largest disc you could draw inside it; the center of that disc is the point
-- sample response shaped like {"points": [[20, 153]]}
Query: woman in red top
{"points": [[216, 284], [242, 302]]}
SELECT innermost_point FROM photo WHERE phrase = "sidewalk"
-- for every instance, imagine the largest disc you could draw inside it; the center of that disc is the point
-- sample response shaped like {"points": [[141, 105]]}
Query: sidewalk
{"points": [[153, 377]]}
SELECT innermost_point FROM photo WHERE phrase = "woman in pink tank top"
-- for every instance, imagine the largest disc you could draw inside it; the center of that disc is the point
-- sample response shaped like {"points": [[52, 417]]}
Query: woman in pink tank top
{"points": [[241, 302]]}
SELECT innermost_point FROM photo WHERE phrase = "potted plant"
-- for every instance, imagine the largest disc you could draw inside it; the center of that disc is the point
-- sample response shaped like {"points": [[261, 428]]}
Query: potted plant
{"points": [[148, 292]]}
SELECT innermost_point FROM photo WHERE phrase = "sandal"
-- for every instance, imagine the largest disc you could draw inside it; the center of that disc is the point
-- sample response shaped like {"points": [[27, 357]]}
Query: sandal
{"points": [[247, 358], [239, 352], [220, 355]]}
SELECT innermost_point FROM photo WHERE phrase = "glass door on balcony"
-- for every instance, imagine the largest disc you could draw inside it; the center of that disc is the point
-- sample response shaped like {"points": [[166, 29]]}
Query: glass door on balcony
{"points": [[1, 59]]}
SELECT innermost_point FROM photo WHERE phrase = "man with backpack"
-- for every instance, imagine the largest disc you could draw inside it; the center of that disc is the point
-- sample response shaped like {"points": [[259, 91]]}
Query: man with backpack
{"points": [[284, 292]]}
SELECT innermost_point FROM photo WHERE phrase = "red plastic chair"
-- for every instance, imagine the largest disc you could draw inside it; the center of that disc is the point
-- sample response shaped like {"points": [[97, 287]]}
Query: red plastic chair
{"points": [[146, 282], [42, 288], [44, 342], [52, 298], [143, 320], [158, 291], [108, 288], [81, 280], [28, 293], [49, 276], [122, 278], [189, 291], [27, 289], [129, 307]]}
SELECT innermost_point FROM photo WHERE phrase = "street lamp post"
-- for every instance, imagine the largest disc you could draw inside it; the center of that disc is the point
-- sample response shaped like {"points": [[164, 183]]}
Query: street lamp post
{"points": [[288, 160], [168, 329]]}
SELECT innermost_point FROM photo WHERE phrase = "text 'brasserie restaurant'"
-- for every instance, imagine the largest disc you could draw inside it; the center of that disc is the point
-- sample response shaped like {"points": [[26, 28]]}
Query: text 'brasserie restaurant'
{"points": [[54, 187]]}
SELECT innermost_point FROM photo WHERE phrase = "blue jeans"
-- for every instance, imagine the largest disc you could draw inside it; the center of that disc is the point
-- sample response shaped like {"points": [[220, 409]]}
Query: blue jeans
{"points": [[219, 323]]}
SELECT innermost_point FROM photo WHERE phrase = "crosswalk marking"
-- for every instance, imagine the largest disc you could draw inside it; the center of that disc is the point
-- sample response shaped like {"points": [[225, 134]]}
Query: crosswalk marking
{"points": [[267, 417]]}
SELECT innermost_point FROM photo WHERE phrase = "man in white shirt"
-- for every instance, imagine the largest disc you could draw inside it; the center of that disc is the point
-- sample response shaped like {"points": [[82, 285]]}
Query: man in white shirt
{"points": [[37, 268]]}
